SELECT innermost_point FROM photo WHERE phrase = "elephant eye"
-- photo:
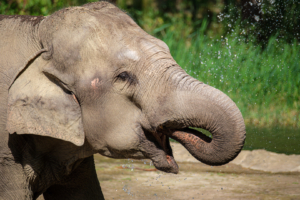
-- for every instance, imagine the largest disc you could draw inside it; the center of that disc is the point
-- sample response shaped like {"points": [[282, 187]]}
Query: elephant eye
{"points": [[128, 77], [124, 76]]}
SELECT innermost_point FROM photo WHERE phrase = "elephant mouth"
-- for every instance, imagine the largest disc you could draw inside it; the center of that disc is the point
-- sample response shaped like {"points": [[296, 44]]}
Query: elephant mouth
{"points": [[162, 157], [156, 146], [164, 142]]}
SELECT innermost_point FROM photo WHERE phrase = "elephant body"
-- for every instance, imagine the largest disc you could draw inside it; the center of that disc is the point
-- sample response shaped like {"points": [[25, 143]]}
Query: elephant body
{"points": [[88, 80], [30, 164]]}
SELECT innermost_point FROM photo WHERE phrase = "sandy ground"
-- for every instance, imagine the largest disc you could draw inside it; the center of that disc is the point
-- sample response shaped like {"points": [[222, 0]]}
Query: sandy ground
{"points": [[132, 179]]}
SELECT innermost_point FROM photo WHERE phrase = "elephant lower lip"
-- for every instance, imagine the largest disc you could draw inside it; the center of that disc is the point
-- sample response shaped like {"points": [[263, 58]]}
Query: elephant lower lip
{"points": [[165, 161], [171, 161]]}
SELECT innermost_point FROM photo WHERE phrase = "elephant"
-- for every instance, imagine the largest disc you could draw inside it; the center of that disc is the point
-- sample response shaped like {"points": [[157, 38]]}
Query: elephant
{"points": [[88, 80]]}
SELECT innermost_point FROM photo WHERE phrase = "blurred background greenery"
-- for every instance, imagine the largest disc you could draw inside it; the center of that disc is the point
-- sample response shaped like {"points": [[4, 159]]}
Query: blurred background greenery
{"points": [[260, 18], [249, 49]]}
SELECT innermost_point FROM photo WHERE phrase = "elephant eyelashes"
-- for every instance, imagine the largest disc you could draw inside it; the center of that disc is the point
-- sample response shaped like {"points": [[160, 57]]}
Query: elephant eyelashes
{"points": [[128, 77]]}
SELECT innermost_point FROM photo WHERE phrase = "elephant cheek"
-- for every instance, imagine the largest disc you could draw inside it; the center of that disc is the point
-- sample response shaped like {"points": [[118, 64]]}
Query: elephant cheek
{"points": [[91, 91], [96, 87]]}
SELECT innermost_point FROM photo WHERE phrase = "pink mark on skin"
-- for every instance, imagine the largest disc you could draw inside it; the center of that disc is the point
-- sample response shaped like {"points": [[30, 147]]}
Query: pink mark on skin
{"points": [[94, 83], [169, 159]]}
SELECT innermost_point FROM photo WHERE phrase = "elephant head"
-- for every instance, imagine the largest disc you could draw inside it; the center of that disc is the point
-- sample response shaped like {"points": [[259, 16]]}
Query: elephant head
{"points": [[98, 79]]}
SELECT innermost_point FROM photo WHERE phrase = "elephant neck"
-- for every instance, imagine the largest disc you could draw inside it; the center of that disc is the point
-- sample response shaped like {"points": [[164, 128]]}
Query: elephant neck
{"points": [[43, 161]]}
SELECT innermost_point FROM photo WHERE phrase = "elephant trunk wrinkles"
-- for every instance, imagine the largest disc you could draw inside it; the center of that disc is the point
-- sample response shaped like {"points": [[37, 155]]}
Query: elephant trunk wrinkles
{"points": [[202, 106]]}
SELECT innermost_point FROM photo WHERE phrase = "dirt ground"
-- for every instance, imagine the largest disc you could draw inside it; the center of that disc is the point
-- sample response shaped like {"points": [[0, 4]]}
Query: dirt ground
{"points": [[138, 179]]}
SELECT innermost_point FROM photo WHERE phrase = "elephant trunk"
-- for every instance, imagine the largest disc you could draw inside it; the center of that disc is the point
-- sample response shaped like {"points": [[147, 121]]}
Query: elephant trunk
{"points": [[202, 106]]}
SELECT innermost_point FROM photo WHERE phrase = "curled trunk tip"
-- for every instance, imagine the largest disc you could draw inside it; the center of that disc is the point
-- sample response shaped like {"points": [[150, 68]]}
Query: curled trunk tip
{"points": [[212, 110]]}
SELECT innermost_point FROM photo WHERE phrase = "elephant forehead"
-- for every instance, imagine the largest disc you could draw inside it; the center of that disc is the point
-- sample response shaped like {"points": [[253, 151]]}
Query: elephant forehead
{"points": [[152, 44], [128, 54]]}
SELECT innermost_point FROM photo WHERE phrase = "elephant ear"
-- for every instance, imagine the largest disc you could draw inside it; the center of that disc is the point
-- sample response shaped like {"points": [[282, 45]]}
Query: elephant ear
{"points": [[38, 104]]}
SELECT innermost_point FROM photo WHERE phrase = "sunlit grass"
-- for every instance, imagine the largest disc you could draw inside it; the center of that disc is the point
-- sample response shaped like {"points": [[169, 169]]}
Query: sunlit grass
{"points": [[264, 83]]}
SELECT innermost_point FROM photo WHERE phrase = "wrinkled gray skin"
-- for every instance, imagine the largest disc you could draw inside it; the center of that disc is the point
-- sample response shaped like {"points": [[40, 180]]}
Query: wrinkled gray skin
{"points": [[88, 80]]}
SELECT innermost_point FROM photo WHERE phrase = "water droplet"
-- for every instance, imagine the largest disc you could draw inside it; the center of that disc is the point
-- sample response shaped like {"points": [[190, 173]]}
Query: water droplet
{"points": [[256, 17]]}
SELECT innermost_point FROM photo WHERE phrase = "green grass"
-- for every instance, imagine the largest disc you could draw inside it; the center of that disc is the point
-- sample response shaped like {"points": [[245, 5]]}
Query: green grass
{"points": [[264, 83]]}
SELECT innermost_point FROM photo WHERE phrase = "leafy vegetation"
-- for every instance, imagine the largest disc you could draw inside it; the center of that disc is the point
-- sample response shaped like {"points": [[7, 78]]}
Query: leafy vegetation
{"points": [[264, 83], [36, 7]]}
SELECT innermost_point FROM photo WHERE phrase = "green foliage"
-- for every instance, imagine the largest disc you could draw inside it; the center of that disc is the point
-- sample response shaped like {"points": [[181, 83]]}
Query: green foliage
{"points": [[36, 7], [264, 20], [158, 16], [264, 83]]}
